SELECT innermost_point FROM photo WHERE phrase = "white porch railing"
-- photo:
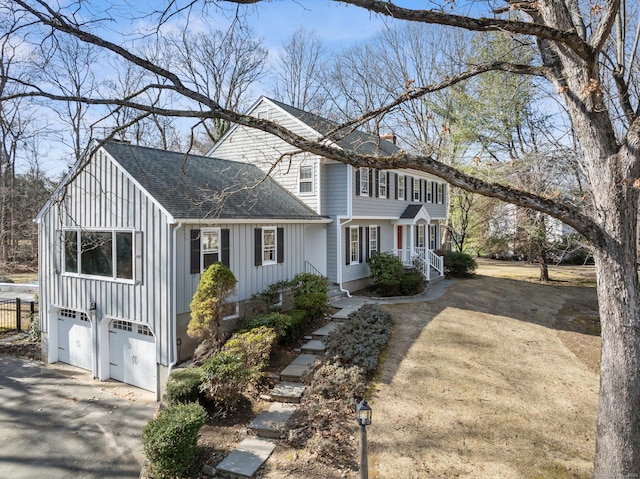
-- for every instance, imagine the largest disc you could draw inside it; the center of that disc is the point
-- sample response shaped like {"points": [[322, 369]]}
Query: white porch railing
{"points": [[423, 259]]}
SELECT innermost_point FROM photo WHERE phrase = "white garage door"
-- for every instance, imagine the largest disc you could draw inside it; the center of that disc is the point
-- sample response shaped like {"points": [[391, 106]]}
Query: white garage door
{"points": [[74, 339], [132, 354]]}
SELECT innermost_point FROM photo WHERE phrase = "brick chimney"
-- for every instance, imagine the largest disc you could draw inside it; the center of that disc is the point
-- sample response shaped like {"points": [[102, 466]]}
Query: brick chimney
{"points": [[389, 137]]}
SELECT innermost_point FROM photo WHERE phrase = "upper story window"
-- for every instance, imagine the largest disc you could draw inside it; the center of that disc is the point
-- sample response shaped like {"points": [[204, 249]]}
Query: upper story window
{"points": [[430, 185], [99, 253], [364, 181], [416, 189], [305, 180], [440, 199], [401, 187], [382, 185]]}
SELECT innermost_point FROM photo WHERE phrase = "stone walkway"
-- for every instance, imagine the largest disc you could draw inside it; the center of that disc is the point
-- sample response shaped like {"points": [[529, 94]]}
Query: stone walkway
{"points": [[269, 426]]}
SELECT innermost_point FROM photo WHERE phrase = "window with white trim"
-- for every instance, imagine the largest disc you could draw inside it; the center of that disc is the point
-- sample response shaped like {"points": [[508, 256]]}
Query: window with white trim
{"points": [[210, 251], [354, 245], [416, 189], [421, 239], [401, 187], [364, 181], [373, 240], [432, 237], [430, 198], [382, 184], [440, 193], [305, 180], [269, 242], [99, 253]]}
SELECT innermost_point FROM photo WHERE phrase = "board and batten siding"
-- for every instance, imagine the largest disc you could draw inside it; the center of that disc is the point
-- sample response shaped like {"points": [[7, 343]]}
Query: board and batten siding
{"points": [[102, 197], [251, 279], [266, 151]]}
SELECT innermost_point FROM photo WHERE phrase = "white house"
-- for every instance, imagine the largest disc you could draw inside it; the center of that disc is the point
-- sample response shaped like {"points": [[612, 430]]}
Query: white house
{"points": [[399, 211], [123, 241]]}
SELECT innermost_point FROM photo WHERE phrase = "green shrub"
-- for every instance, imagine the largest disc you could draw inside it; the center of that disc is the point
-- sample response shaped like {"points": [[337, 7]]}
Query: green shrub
{"points": [[288, 326], [360, 340], [385, 267], [224, 378], [253, 347], [459, 265], [412, 282], [272, 294], [306, 283], [183, 386], [390, 287], [170, 440], [314, 304]]}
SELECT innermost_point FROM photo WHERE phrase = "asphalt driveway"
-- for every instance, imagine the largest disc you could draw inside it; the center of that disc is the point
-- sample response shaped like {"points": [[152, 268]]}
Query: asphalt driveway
{"points": [[57, 422]]}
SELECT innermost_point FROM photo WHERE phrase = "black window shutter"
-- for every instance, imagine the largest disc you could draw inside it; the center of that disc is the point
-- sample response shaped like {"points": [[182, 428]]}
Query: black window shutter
{"points": [[257, 233], [366, 245], [357, 181], [371, 183], [396, 182], [347, 235], [378, 240], [406, 187], [224, 247], [376, 182], [360, 242], [280, 245], [423, 191], [388, 185], [195, 251]]}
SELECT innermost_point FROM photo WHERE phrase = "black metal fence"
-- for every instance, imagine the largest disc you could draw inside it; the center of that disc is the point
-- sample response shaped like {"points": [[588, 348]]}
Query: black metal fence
{"points": [[15, 314]]}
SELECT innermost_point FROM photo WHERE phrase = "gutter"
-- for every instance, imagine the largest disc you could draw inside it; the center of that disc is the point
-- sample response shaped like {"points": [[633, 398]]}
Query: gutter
{"points": [[349, 219], [174, 298]]}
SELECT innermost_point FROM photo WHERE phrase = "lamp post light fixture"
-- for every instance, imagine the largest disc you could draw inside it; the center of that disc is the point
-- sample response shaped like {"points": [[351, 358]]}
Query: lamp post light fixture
{"points": [[363, 416]]}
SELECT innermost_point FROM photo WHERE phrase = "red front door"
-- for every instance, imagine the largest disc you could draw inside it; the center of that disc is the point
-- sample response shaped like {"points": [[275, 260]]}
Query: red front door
{"points": [[400, 237]]}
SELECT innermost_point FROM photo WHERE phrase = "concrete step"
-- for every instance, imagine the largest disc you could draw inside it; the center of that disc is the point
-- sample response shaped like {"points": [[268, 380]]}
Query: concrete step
{"points": [[325, 330], [246, 459], [298, 368], [273, 423], [287, 392], [315, 346]]}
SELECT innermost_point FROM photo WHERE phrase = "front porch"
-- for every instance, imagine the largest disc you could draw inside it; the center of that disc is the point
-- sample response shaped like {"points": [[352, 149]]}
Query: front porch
{"points": [[424, 260]]}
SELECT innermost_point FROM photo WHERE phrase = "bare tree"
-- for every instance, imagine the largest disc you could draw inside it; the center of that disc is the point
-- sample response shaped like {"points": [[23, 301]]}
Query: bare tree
{"points": [[571, 38]]}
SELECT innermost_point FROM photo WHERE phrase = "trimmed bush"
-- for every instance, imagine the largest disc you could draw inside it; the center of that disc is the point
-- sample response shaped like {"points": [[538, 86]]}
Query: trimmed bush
{"points": [[314, 304], [288, 326], [183, 386], [459, 265], [412, 282], [277, 321], [391, 287], [359, 341], [170, 440], [385, 267], [224, 378], [306, 283], [334, 381], [253, 347]]}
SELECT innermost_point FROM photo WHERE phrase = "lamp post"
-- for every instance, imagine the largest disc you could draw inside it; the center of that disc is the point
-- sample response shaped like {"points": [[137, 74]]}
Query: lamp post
{"points": [[363, 416]]}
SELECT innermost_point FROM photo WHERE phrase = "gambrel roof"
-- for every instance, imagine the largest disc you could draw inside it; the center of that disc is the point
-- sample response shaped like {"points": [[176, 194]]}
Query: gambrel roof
{"points": [[199, 187], [349, 139]]}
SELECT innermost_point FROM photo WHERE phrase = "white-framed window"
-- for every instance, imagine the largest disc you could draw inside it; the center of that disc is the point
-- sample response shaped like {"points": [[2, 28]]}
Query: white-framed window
{"points": [[210, 250], [430, 198], [401, 187], [421, 239], [432, 236], [382, 184], [354, 245], [263, 115], [416, 189], [373, 240], [364, 181], [305, 180], [107, 254], [269, 242], [440, 199]]}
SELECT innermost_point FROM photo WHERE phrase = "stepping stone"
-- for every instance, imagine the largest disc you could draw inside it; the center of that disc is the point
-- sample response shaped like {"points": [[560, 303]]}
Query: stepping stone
{"points": [[326, 330], [287, 392], [246, 459], [273, 423], [298, 368], [315, 346]]}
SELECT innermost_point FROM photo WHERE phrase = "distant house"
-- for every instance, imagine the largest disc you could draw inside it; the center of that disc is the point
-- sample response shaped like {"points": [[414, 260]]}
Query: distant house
{"points": [[122, 243], [399, 211]]}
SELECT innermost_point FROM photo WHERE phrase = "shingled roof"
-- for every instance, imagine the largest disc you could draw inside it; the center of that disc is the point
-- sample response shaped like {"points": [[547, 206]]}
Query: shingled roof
{"points": [[349, 139], [200, 187]]}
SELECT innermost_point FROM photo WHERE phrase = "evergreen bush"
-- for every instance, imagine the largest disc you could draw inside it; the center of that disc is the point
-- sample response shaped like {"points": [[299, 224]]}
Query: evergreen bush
{"points": [[305, 283], [253, 348], [385, 267], [315, 305], [170, 440], [183, 386], [459, 265], [224, 379]]}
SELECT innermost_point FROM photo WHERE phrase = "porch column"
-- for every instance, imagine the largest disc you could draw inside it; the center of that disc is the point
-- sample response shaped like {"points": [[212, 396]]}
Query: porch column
{"points": [[412, 239]]}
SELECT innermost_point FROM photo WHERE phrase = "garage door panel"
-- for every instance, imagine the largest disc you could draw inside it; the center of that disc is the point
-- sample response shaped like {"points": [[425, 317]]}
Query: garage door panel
{"points": [[132, 354], [75, 339]]}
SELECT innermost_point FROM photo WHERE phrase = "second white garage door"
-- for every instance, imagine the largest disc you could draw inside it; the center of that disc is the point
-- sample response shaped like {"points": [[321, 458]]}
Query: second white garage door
{"points": [[132, 354]]}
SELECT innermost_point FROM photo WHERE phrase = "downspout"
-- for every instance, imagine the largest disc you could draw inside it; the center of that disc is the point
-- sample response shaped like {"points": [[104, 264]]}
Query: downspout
{"points": [[349, 219], [174, 298]]}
